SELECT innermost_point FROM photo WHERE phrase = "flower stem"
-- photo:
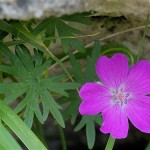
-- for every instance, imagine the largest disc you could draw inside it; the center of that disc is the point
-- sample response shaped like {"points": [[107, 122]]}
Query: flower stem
{"points": [[110, 143], [39, 132], [148, 146], [62, 136]]}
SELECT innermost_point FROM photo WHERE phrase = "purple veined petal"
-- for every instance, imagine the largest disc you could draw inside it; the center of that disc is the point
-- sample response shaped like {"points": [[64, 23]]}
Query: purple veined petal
{"points": [[115, 122], [138, 112], [112, 71], [95, 98], [138, 81]]}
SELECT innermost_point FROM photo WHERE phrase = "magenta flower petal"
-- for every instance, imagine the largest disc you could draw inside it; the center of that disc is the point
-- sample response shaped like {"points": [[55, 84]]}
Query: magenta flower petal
{"points": [[112, 71], [138, 81], [123, 96], [138, 112], [95, 98], [115, 122]]}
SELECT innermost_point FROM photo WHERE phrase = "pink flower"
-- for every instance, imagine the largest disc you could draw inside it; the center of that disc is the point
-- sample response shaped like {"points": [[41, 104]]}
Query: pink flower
{"points": [[122, 95]]}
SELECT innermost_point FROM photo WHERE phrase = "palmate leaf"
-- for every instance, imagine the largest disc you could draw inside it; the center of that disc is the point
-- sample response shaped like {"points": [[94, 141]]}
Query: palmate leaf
{"points": [[88, 75], [78, 17], [73, 101], [81, 77], [33, 87], [65, 32]]}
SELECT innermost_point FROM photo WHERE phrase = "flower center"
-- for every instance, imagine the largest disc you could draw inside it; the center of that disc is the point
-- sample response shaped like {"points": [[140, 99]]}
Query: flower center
{"points": [[120, 96]]}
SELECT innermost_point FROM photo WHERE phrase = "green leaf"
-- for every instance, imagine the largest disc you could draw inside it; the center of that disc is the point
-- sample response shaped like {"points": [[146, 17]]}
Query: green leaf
{"points": [[73, 118], [89, 72], [6, 51], [31, 39], [25, 57], [24, 101], [45, 29], [31, 72], [7, 142], [80, 125], [98, 119], [90, 134], [19, 69], [65, 32], [14, 43], [34, 104], [15, 94], [7, 27], [76, 69], [89, 123], [88, 75], [32, 107], [50, 31], [40, 69], [52, 106], [78, 17], [42, 26], [58, 87], [32, 82], [11, 87], [39, 58], [72, 103], [28, 115], [20, 128], [3, 34], [69, 30]]}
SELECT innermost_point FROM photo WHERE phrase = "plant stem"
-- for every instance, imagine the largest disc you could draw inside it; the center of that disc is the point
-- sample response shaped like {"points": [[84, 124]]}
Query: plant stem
{"points": [[143, 38], [148, 146], [39, 132], [110, 143], [62, 136], [46, 71]]}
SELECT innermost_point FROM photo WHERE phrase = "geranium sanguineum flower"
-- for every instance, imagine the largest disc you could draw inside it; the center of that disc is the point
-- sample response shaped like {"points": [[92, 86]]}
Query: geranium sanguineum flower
{"points": [[122, 95]]}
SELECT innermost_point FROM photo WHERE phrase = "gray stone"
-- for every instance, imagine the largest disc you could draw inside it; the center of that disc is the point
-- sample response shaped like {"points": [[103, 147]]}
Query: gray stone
{"points": [[27, 9]]}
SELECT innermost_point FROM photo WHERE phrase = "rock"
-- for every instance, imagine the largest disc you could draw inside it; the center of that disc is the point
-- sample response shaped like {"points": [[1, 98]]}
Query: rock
{"points": [[27, 9]]}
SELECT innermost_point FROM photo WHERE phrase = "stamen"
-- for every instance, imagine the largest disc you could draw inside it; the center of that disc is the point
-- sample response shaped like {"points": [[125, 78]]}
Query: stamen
{"points": [[119, 96]]}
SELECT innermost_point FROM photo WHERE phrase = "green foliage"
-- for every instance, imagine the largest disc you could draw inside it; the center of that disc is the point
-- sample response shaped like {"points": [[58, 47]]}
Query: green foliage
{"points": [[88, 75], [7, 141], [14, 122], [65, 32], [33, 92], [89, 122], [36, 88]]}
